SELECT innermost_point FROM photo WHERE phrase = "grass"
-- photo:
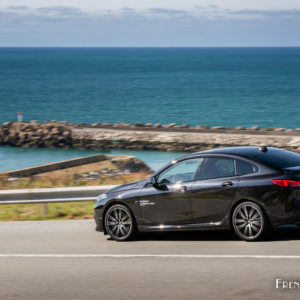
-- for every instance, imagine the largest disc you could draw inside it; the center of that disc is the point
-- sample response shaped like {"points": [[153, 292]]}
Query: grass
{"points": [[67, 181], [55, 211]]}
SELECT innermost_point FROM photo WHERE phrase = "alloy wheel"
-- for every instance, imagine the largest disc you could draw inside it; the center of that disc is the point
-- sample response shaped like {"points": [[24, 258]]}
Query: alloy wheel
{"points": [[118, 222], [248, 221]]}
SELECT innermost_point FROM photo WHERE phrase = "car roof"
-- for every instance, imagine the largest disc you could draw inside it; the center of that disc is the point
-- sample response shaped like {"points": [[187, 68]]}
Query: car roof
{"points": [[245, 151], [257, 153], [271, 156]]}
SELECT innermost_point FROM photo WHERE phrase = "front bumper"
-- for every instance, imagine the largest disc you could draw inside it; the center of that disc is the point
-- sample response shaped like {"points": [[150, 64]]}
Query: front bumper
{"points": [[98, 216]]}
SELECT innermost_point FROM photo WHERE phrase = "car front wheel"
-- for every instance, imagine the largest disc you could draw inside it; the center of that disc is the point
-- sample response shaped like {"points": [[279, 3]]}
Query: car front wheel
{"points": [[249, 222], [119, 223]]}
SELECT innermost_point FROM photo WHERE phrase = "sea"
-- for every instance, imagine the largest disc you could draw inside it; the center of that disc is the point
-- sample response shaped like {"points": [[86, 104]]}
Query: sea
{"points": [[14, 158], [193, 86]]}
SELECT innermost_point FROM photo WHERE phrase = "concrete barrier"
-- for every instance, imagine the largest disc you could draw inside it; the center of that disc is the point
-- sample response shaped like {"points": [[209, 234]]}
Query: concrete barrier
{"points": [[55, 166]]}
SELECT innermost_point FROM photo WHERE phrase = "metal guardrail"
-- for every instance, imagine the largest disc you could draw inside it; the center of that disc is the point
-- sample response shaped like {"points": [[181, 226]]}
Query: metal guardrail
{"points": [[52, 195]]}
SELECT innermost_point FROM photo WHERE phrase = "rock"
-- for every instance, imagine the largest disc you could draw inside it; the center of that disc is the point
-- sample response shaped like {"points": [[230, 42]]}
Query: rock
{"points": [[217, 127], [279, 129], [139, 125], [239, 128], [171, 125], [157, 125], [95, 124], [201, 127], [254, 128], [130, 163], [66, 133]]}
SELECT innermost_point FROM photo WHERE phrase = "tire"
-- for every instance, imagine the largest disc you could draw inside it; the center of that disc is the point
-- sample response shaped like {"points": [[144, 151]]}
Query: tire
{"points": [[119, 223], [250, 222]]}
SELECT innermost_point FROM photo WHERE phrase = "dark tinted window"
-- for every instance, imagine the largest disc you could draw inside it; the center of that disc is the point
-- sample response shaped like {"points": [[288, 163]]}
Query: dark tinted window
{"points": [[218, 167], [278, 158], [243, 167]]}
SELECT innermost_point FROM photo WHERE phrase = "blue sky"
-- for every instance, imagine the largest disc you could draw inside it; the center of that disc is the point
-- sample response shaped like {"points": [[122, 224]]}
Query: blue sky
{"points": [[150, 23]]}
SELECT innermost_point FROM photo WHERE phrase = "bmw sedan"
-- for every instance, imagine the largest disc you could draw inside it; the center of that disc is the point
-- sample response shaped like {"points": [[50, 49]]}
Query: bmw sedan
{"points": [[246, 189]]}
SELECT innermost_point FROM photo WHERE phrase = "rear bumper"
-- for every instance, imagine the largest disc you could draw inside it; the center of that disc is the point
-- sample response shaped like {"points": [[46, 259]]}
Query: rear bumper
{"points": [[292, 218], [98, 216]]}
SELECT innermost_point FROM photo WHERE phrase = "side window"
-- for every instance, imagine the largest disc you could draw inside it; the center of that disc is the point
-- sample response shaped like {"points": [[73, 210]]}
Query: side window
{"points": [[244, 167], [181, 172], [216, 167]]}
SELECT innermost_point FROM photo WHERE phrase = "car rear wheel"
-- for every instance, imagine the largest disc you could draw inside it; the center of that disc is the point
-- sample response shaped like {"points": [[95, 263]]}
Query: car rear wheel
{"points": [[119, 223], [249, 222]]}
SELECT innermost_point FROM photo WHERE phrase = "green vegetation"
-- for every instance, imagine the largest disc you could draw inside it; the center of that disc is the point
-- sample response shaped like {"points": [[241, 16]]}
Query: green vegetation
{"points": [[55, 211], [65, 181]]}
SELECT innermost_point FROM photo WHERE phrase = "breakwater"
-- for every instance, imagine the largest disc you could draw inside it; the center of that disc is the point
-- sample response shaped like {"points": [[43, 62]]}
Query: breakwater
{"points": [[123, 162], [48, 167], [139, 136]]}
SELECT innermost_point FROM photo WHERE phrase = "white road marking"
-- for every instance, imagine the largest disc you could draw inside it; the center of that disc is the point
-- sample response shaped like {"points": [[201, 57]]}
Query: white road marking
{"points": [[147, 256]]}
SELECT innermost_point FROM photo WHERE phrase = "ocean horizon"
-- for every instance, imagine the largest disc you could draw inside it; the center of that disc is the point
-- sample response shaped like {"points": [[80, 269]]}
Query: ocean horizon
{"points": [[214, 86]]}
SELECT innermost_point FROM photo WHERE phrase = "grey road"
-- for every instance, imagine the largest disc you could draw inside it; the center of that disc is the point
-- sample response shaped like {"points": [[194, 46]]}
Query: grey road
{"points": [[69, 260]]}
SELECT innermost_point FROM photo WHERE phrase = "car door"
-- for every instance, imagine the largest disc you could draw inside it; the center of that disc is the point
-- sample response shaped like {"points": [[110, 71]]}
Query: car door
{"points": [[168, 202], [213, 190]]}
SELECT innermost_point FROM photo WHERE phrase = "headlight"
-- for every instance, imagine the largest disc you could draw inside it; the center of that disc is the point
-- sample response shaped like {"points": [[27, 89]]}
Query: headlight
{"points": [[101, 197]]}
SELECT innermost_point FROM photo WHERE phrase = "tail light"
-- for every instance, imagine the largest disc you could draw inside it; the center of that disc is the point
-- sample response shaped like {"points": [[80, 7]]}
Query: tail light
{"points": [[285, 182]]}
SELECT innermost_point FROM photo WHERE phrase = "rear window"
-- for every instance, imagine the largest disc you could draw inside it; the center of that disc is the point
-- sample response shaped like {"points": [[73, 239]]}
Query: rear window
{"points": [[244, 168], [278, 158]]}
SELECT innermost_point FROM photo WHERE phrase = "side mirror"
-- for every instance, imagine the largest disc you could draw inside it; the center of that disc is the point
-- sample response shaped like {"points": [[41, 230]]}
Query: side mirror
{"points": [[152, 180], [160, 186]]}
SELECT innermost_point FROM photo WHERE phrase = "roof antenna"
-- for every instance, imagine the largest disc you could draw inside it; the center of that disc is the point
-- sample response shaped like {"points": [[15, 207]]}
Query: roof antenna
{"points": [[263, 149]]}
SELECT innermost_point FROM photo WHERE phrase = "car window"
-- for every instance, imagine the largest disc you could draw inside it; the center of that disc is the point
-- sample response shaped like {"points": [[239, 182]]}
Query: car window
{"points": [[218, 167], [181, 172], [244, 167]]}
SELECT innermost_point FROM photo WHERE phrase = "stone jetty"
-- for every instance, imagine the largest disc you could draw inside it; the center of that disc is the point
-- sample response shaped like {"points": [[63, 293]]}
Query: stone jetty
{"points": [[170, 137]]}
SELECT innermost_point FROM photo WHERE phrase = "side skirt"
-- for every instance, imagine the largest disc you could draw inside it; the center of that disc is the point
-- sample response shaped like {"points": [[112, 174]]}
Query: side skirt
{"points": [[184, 227]]}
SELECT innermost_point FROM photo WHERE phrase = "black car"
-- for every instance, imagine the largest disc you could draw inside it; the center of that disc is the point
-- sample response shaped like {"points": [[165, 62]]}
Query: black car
{"points": [[248, 189]]}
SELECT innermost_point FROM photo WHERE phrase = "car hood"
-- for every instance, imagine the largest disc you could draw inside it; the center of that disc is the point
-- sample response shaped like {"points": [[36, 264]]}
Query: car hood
{"points": [[128, 186]]}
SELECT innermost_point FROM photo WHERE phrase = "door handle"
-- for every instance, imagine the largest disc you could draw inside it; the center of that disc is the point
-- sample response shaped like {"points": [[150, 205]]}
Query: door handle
{"points": [[181, 188], [227, 184]]}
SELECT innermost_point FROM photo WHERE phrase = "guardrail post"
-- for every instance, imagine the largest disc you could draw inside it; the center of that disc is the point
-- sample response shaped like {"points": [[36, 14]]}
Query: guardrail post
{"points": [[44, 209]]}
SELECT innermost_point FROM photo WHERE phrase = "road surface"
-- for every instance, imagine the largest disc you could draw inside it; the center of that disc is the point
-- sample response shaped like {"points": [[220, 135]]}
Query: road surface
{"points": [[69, 260]]}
